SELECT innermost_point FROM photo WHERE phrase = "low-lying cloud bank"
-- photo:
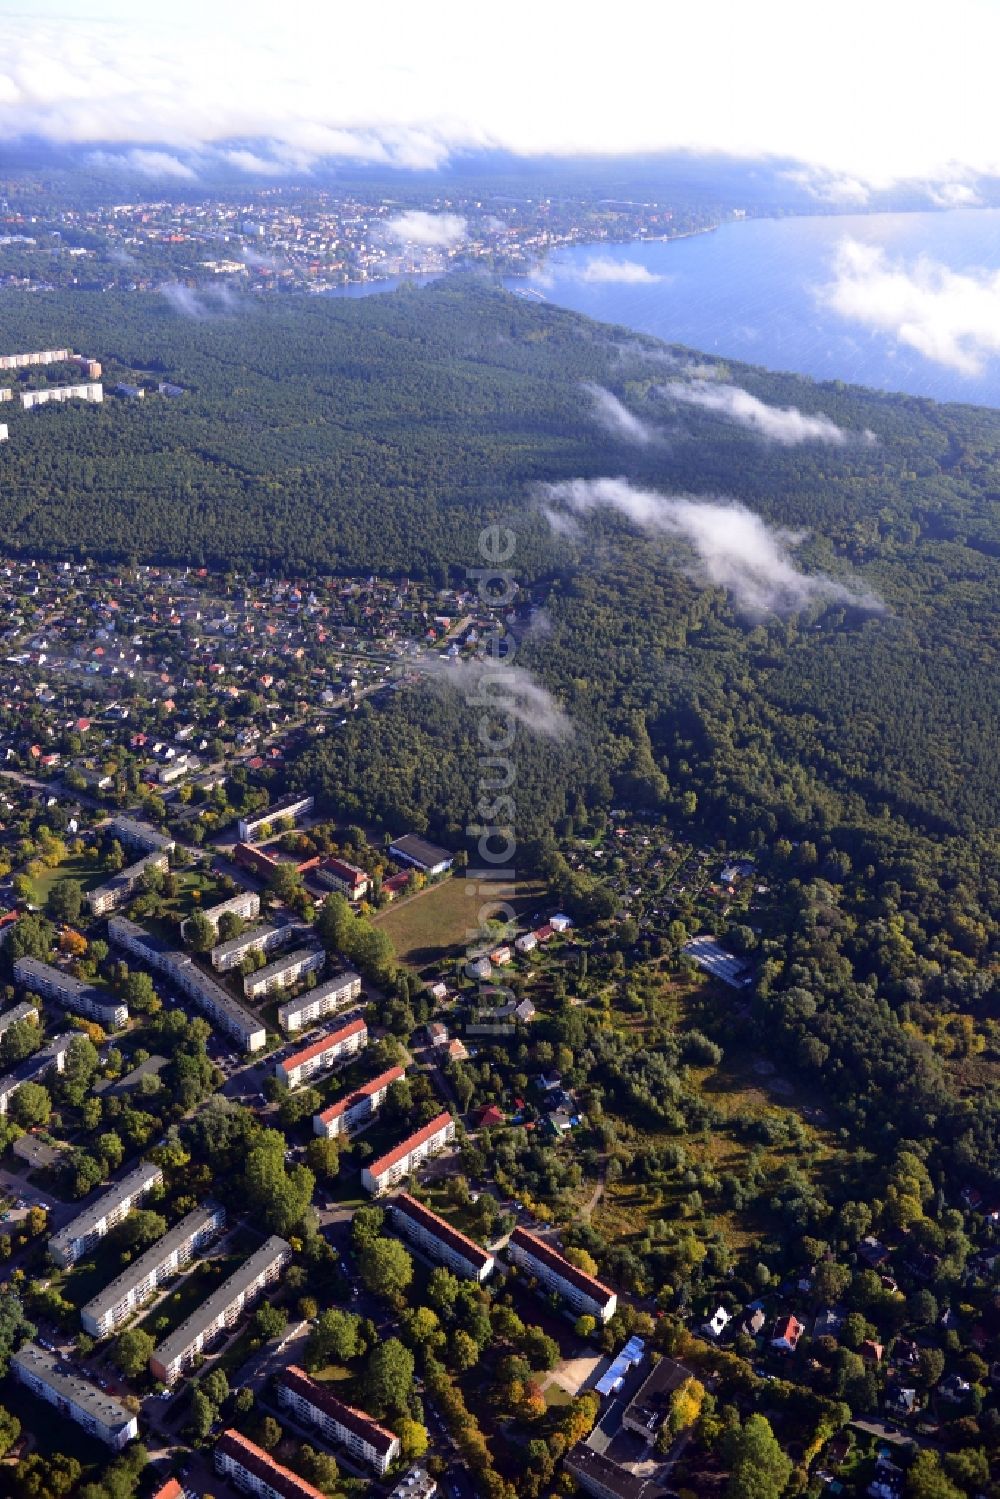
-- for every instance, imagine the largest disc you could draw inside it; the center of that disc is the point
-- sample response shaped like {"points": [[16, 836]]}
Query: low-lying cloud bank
{"points": [[208, 301], [784, 424], [599, 270], [727, 546], [431, 230], [616, 418], [951, 317], [501, 688]]}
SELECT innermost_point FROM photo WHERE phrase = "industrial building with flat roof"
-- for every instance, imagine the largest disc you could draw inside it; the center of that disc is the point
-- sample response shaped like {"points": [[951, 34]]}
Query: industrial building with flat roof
{"points": [[313, 1061], [429, 858], [112, 1306], [290, 807], [100, 1414], [255, 1471], [651, 1404], [439, 1241], [397, 1163], [332, 995], [179, 969], [283, 972], [318, 1406], [35, 1067], [583, 1292], [354, 1110], [63, 989], [83, 1231], [221, 1310]]}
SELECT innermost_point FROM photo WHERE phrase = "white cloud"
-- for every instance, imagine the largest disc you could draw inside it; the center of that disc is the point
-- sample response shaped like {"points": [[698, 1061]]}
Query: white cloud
{"points": [[954, 195], [502, 688], [415, 227], [410, 87], [728, 546], [829, 187], [204, 302], [147, 163], [785, 424], [601, 268], [951, 317], [616, 418]]}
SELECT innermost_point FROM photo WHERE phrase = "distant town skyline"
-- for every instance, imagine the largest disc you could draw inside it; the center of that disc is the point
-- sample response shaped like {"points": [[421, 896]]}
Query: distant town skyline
{"points": [[862, 98]]}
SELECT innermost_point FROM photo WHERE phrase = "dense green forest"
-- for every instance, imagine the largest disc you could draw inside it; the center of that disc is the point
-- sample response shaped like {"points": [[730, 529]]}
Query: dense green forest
{"points": [[379, 435]]}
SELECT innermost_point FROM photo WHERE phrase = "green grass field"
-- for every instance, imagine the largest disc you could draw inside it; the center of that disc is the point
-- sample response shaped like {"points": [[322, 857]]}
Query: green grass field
{"points": [[85, 869], [441, 919]]}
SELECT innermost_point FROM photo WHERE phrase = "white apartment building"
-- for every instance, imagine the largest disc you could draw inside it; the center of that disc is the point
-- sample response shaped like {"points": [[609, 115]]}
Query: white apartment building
{"points": [[63, 989], [584, 1293], [119, 890], [397, 1163], [18, 1014], [312, 1061], [230, 954], [100, 1414], [162, 1260], [292, 807], [332, 995], [437, 1239], [178, 969], [38, 356], [35, 1067], [82, 1232], [283, 972], [245, 904], [354, 1110], [221, 1310], [317, 1405], [89, 390]]}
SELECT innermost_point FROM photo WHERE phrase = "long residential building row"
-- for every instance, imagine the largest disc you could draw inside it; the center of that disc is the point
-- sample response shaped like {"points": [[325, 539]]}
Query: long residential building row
{"points": [[332, 995], [583, 1292], [312, 1061], [439, 1241], [256, 1472], [284, 972], [221, 1310], [290, 807], [179, 969], [354, 1110], [100, 1414], [35, 1067], [63, 989], [18, 1015], [116, 1303], [396, 1164], [83, 1232], [317, 1405]]}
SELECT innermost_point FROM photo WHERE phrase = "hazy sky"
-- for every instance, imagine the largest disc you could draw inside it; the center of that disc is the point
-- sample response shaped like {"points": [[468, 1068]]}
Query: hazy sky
{"points": [[867, 92]]}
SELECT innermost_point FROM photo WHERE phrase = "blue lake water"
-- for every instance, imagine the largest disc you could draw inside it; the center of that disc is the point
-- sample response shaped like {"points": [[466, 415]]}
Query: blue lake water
{"points": [[763, 290]]}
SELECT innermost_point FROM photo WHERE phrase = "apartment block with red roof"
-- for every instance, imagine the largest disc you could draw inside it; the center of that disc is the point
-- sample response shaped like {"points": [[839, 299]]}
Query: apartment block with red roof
{"points": [[340, 1423], [393, 1167], [439, 1241], [255, 1472], [312, 1061], [354, 1110], [583, 1292]]}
